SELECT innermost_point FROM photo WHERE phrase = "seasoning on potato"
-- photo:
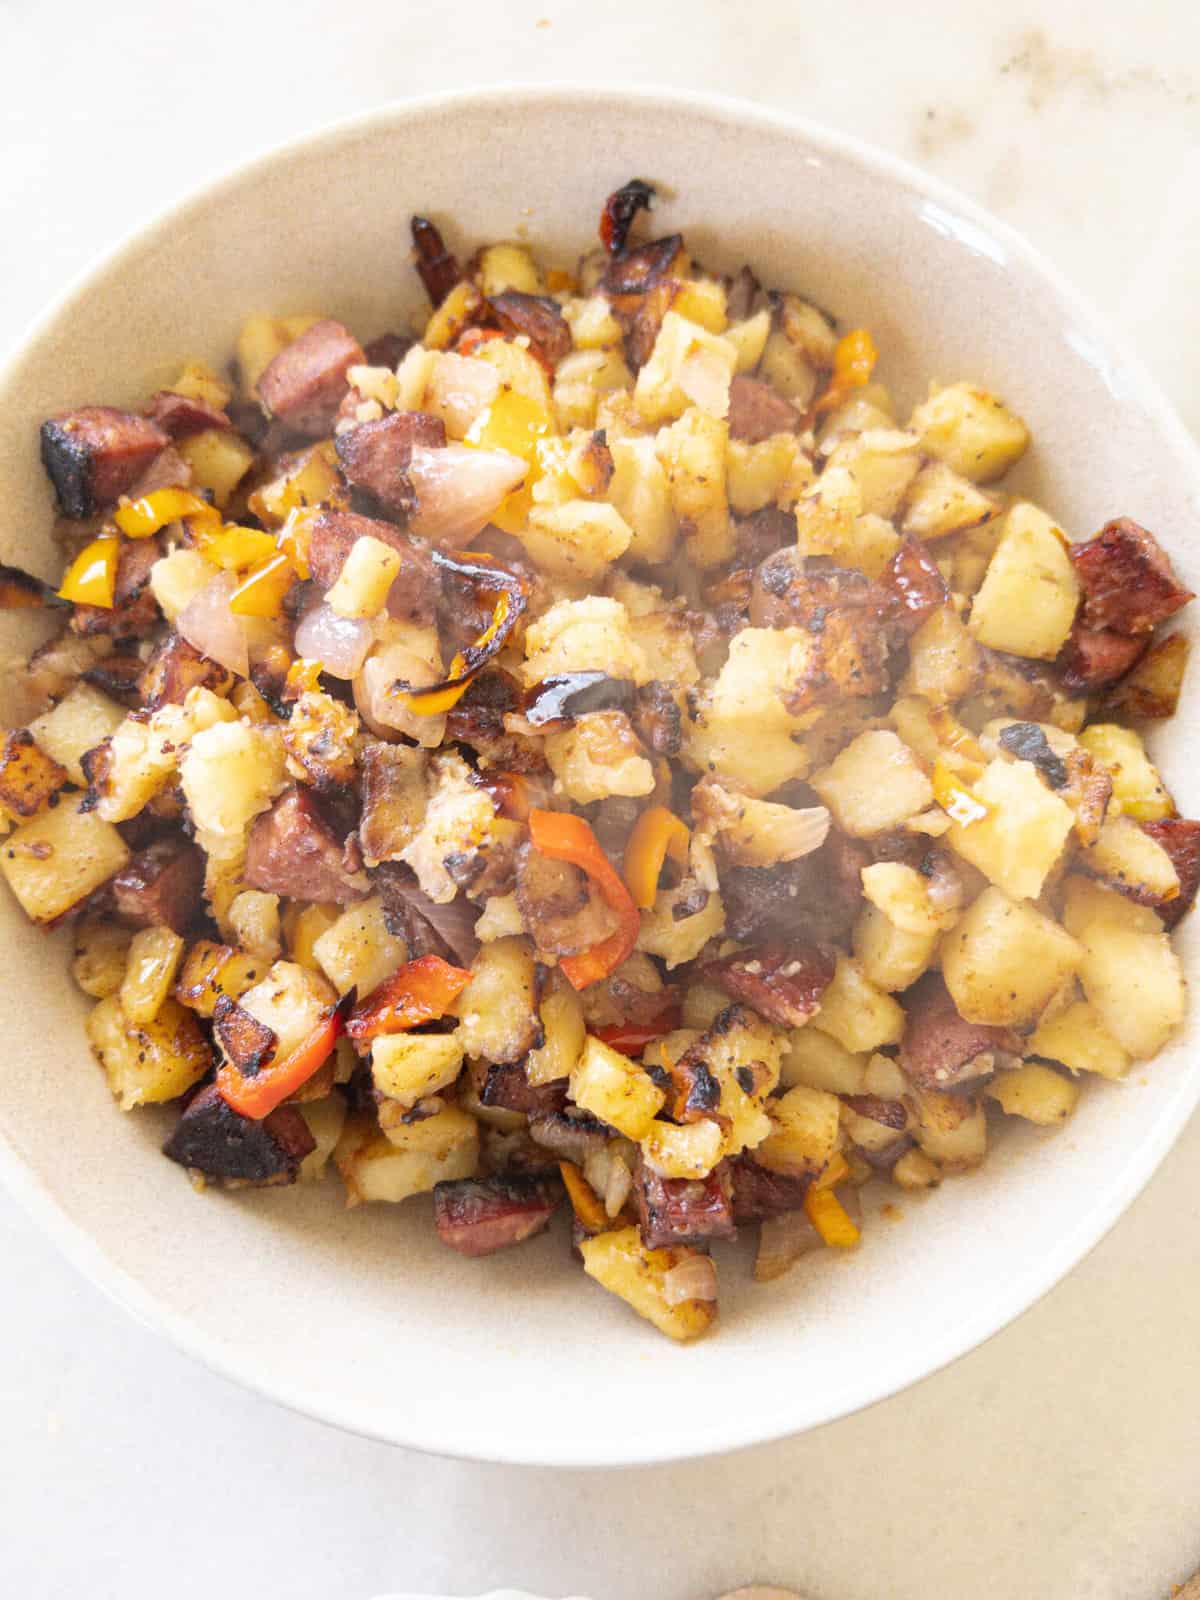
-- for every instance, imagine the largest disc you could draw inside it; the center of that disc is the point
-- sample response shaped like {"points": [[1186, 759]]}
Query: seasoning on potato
{"points": [[595, 757]]}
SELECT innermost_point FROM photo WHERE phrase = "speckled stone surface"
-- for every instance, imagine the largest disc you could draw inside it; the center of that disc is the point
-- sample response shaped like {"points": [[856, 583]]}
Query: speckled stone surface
{"points": [[1061, 1458]]}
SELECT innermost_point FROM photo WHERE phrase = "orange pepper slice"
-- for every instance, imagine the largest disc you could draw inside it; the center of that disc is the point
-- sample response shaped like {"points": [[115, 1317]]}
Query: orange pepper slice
{"points": [[584, 1200], [138, 519], [956, 800], [657, 834], [91, 579], [261, 592], [258, 1096], [566, 837], [420, 991], [853, 363]]}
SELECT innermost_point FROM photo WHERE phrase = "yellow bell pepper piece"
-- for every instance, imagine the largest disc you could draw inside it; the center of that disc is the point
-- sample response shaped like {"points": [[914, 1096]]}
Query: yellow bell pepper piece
{"points": [[91, 579], [233, 548], [854, 361], [138, 519], [657, 834], [829, 1217], [261, 592], [515, 423], [303, 926], [835, 1171], [956, 800]]}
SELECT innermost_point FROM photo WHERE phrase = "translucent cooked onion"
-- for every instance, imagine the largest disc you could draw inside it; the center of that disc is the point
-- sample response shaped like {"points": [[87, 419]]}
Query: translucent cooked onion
{"points": [[458, 488], [459, 390], [695, 1278], [781, 1243], [705, 381], [381, 708], [340, 644], [210, 626]]}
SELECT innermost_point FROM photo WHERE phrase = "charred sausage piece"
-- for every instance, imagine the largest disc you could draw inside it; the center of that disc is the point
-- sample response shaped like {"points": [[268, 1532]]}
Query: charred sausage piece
{"points": [[1180, 838], [1127, 579], [134, 612], [538, 318], [657, 718], [940, 1049], [173, 669], [745, 293], [212, 1138], [118, 676], [375, 456], [571, 1134], [910, 589], [168, 470], [756, 411], [478, 720], [427, 928], [162, 886], [478, 1216], [508, 1087], [762, 533], [414, 592], [389, 350], [794, 591], [292, 851], [783, 983], [817, 897], [634, 272], [759, 1193], [94, 454], [1093, 657], [182, 414], [304, 385], [438, 269], [675, 1211]]}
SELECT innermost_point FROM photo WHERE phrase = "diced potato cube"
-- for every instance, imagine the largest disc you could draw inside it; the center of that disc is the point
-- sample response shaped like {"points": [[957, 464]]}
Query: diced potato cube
{"points": [[941, 501], [804, 1132], [1138, 791], [54, 861], [290, 1000], [563, 1030], [29, 778], [818, 1061], [356, 951], [690, 1151], [212, 970], [826, 515], [176, 579], [508, 265], [500, 919], [1134, 981], [702, 300], [154, 956], [497, 1010], [582, 636], [951, 1129], [702, 1004], [148, 1062], [621, 1263], [756, 473], [1086, 902], [1030, 593], [639, 490], [1005, 960], [306, 478], [592, 324], [688, 366], [1132, 861], [1153, 687], [915, 1171], [219, 460], [902, 894], [326, 1118], [798, 349], [943, 659], [1021, 838], [971, 431], [692, 452], [231, 772], [677, 940], [665, 641], [1079, 1040], [254, 919], [81, 720], [741, 730], [408, 1066], [409, 1159], [101, 951], [749, 339], [199, 382], [1037, 1093], [362, 586], [857, 1014], [615, 1089], [875, 784], [891, 958], [599, 756], [143, 757], [579, 540], [883, 462]]}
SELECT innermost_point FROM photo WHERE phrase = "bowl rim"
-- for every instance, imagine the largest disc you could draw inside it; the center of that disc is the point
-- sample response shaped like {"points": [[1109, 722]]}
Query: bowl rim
{"points": [[1048, 1267]]}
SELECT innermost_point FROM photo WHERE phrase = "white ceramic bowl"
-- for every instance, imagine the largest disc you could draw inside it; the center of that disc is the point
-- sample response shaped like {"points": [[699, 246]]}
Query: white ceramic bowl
{"points": [[361, 1317]]}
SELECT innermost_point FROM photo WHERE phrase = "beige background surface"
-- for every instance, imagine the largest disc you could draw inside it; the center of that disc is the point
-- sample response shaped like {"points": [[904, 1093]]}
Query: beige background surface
{"points": [[1060, 1460]]}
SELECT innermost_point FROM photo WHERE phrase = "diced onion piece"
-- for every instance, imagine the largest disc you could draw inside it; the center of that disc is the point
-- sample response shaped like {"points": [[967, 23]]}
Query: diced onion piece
{"points": [[695, 1278], [340, 644], [459, 390], [781, 1243], [208, 625], [457, 489]]}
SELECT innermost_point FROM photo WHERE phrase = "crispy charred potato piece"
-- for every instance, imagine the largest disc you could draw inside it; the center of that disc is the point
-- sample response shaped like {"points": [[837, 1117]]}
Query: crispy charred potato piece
{"points": [[1152, 688], [28, 776]]}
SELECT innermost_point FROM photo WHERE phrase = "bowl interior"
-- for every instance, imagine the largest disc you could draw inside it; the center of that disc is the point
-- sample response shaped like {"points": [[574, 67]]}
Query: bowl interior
{"points": [[362, 1317]]}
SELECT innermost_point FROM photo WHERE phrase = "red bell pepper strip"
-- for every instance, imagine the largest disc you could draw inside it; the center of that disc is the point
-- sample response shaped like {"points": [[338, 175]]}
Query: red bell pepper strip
{"points": [[631, 1038], [565, 837], [258, 1096], [420, 991]]}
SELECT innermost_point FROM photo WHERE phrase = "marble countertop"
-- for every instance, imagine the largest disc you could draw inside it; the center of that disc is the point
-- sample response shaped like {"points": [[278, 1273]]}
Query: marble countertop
{"points": [[1059, 1460]]}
